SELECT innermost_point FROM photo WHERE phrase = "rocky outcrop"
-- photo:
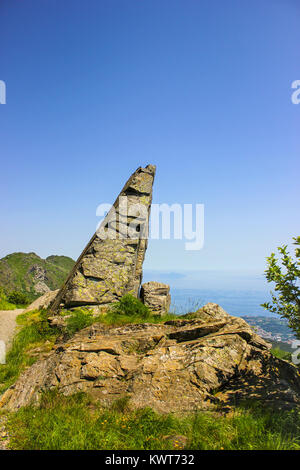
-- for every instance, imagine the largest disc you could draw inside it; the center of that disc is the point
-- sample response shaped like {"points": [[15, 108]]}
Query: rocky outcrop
{"points": [[179, 366], [32, 275], [111, 264], [40, 277], [42, 302], [156, 296]]}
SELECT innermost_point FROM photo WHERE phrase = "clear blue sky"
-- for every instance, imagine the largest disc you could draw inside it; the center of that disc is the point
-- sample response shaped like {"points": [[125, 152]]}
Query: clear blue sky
{"points": [[200, 88]]}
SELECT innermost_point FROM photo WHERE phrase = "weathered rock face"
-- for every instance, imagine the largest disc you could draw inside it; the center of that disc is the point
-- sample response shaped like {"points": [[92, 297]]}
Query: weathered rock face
{"points": [[182, 365], [42, 302], [111, 264], [156, 296]]}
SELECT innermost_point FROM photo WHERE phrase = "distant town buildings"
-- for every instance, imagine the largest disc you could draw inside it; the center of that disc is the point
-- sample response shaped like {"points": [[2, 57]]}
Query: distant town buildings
{"points": [[272, 329]]}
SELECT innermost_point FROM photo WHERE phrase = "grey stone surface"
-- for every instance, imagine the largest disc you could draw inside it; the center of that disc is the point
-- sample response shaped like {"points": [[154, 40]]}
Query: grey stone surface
{"points": [[156, 296], [109, 268]]}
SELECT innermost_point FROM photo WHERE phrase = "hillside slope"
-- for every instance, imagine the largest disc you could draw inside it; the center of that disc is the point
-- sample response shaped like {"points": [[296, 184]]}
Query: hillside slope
{"points": [[32, 275]]}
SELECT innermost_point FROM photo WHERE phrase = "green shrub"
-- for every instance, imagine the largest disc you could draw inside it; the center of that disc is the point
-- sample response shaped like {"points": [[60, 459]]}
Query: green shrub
{"points": [[285, 273], [18, 298], [130, 306], [4, 303]]}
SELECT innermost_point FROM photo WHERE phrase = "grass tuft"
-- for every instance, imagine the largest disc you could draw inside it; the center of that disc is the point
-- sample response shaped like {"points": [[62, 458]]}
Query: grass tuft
{"points": [[70, 423], [130, 306], [77, 320], [34, 331], [277, 352]]}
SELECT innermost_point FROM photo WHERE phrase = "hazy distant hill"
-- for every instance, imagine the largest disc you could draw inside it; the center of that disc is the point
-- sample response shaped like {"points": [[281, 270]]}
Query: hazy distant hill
{"points": [[28, 273]]}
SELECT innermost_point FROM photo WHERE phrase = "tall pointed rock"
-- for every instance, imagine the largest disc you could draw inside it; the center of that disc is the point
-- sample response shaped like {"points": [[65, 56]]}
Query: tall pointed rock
{"points": [[111, 263]]}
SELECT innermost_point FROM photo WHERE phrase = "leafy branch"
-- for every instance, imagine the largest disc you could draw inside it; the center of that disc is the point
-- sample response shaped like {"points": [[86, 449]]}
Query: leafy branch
{"points": [[285, 272]]}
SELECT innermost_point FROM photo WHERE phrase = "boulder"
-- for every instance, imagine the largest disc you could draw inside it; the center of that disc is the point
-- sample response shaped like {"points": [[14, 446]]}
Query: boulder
{"points": [[111, 263], [156, 296], [181, 366], [42, 302]]}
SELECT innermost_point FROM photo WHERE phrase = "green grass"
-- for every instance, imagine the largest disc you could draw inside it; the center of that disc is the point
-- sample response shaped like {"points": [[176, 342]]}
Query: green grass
{"points": [[112, 318], [128, 310], [5, 305], [130, 306], [78, 319], [12, 300], [77, 423], [34, 332], [277, 352], [4, 302]]}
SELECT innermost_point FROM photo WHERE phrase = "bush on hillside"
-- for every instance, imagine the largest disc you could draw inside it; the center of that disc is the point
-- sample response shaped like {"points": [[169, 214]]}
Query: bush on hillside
{"points": [[285, 273], [4, 303], [18, 298]]}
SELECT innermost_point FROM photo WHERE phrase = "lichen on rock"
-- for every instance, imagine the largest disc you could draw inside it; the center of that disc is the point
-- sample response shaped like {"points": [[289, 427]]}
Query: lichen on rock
{"points": [[181, 365], [111, 264], [156, 296]]}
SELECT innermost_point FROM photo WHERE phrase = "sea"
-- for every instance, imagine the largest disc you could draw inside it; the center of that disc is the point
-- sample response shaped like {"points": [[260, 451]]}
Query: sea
{"points": [[239, 303], [239, 293]]}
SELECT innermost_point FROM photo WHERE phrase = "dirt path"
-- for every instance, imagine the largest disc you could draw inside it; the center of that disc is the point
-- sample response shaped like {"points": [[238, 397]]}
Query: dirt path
{"points": [[3, 434], [7, 327], [8, 324]]}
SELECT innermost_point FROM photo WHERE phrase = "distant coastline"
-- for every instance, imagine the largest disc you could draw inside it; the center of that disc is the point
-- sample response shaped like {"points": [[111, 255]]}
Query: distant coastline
{"points": [[239, 303], [240, 293], [236, 302]]}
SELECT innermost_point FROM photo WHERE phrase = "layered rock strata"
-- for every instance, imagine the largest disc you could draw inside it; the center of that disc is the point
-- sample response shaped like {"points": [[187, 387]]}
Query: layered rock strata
{"points": [[111, 264], [182, 365]]}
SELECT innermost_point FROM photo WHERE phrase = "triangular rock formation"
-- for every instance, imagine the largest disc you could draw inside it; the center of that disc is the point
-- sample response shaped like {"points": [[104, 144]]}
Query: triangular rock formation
{"points": [[111, 263]]}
